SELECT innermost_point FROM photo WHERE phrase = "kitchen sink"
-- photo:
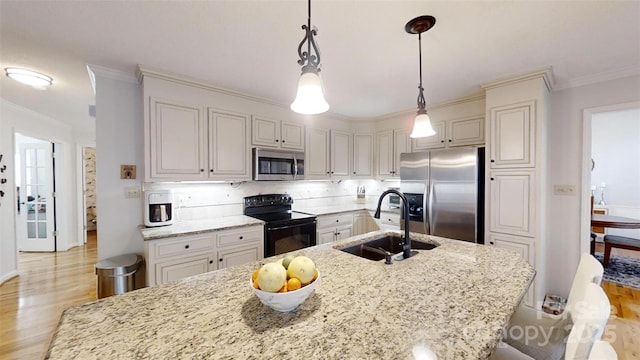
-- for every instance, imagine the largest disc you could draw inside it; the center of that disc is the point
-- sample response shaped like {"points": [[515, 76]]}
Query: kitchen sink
{"points": [[376, 249]]}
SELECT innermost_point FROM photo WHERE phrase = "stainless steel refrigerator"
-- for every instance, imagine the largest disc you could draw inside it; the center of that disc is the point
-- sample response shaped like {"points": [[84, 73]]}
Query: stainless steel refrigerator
{"points": [[445, 191]]}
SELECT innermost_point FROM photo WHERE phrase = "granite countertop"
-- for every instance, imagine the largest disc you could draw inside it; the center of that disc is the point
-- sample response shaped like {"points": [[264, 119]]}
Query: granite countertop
{"points": [[452, 301], [320, 210], [180, 228]]}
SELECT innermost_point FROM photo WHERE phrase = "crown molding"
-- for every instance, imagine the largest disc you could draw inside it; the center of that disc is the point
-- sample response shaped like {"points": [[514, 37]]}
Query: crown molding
{"points": [[545, 73], [110, 74], [443, 104], [628, 71]]}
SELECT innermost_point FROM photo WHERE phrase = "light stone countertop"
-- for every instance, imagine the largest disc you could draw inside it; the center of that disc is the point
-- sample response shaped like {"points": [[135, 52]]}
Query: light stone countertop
{"points": [[180, 228], [332, 209], [452, 301]]}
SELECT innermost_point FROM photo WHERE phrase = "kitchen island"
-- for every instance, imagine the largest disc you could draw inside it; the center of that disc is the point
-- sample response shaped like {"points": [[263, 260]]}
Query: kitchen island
{"points": [[451, 301]]}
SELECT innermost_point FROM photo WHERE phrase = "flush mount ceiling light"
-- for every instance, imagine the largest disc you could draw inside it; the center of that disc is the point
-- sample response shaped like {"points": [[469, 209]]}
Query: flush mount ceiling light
{"points": [[35, 79], [309, 98], [422, 124]]}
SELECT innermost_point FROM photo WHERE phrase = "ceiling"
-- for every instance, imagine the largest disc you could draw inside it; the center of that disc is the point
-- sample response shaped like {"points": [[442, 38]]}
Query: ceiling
{"points": [[369, 63]]}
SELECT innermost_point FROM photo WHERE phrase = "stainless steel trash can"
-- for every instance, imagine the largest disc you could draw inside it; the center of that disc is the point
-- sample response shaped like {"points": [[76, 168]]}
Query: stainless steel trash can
{"points": [[116, 275]]}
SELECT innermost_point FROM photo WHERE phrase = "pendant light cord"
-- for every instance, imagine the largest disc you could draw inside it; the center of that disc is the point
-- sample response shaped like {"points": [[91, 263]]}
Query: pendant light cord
{"points": [[420, 57]]}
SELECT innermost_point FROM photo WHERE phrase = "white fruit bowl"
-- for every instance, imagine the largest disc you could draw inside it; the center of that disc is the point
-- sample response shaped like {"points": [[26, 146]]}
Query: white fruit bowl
{"points": [[285, 302]]}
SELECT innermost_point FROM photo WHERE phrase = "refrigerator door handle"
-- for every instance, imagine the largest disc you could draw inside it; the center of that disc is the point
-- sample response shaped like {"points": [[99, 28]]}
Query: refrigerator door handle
{"points": [[429, 215]]}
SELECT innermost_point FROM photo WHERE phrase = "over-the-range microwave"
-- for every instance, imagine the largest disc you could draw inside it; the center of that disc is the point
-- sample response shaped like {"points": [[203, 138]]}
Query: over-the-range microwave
{"points": [[277, 164]]}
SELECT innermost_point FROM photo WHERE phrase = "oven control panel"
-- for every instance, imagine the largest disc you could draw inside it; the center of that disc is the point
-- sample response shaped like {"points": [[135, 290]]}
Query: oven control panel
{"points": [[267, 199]]}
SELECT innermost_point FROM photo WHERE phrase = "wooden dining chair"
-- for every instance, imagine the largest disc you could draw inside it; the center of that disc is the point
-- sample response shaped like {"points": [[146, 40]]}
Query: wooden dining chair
{"points": [[622, 242], [592, 245]]}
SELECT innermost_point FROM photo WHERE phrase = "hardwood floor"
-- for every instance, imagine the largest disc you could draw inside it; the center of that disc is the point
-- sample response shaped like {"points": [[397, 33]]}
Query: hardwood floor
{"points": [[31, 304]]}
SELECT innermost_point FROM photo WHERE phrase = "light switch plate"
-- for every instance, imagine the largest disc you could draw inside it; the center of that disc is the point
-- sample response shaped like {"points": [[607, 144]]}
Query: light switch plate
{"points": [[564, 190], [131, 192], [127, 171]]}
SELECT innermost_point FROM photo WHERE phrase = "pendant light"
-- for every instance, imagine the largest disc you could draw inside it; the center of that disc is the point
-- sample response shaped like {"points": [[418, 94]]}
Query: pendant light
{"points": [[422, 124], [35, 79], [309, 98]]}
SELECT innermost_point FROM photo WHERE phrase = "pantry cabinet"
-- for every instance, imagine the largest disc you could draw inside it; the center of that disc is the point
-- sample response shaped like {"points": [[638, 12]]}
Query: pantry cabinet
{"points": [[512, 130], [276, 134], [512, 200], [454, 132], [178, 257], [390, 144]]}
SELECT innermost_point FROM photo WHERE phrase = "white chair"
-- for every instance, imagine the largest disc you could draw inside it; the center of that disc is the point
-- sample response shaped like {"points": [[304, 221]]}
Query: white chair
{"points": [[591, 315], [551, 329], [602, 350]]}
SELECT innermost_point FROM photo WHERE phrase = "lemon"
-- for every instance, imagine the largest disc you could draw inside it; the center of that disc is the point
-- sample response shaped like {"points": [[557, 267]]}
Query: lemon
{"points": [[302, 268], [271, 277], [287, 260]]}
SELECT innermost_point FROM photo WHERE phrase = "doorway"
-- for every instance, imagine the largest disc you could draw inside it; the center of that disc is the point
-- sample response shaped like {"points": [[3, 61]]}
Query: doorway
{"points": [[35, 191], [89, 191]]}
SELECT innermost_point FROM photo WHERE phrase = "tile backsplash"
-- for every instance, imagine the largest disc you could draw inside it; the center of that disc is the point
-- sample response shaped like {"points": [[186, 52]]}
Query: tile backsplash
{"points": [[208, 200]]}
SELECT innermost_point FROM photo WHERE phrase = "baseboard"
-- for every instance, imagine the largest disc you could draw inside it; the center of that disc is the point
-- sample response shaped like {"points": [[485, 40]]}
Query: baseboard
{"points": [[8, 276]]}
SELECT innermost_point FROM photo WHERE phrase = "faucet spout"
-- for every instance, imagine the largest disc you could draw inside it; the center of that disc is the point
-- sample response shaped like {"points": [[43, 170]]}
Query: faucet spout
{"points": [[406, 246]]}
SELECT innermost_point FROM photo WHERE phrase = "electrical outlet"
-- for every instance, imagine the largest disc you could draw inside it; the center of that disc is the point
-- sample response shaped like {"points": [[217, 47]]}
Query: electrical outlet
{"points": [[132, 192], [566, 190]]}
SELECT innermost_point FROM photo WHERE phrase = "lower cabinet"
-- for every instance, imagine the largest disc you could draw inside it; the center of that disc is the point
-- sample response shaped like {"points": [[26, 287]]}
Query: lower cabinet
{"points": [[183, 256], [388, 221], [363, 223], [334, 227], [523, 246]]}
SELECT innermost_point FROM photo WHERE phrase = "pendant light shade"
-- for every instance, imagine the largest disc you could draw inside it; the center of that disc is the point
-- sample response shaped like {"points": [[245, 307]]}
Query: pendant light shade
{"points": [[310, 97], [422, 126], [422, 123]]}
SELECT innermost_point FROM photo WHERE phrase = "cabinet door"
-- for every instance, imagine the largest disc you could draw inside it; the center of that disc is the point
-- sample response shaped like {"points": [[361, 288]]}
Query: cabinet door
{"points": [[265, 132], [401, 144], [317, 164], [511, 202], [467, 131], [169, 271], [360, 224], [363, 154], [343, 232], [292, 136], [326, 236], [340, 154], [432, 142], [512, 131], [177, 139], [233, 257], [229, 155], [523, 246], [385, 154]]}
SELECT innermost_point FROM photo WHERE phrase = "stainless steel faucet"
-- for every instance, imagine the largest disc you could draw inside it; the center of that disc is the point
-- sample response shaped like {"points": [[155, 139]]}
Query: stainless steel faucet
{"points": [[406, 246]]}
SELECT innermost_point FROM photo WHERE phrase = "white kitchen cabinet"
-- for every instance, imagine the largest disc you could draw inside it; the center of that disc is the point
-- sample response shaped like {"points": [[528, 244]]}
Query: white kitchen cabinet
{"points": [[277, 134], [513, 136], [363, 223], [363, 155], [511, 201], [454, 132], [177, 141], [340, 154], [333, 227], [327, 155], [390, 144], [523, 246], [229, 155], [175, 258], [388, 221]]}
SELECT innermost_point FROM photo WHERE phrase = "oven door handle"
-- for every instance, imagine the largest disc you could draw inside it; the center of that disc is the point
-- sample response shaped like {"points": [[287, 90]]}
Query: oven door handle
{"points": [[289, 226]]}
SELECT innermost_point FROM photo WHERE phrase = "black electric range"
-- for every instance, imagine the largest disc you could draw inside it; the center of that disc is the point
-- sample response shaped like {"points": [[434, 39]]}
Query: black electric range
{"points": [[285, 230]]}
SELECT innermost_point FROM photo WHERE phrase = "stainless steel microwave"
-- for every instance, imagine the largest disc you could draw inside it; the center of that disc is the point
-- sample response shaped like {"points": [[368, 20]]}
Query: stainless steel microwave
{"points": [[277, 165]]}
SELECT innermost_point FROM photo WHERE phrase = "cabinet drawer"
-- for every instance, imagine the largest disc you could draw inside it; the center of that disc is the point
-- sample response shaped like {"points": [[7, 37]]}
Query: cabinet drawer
{"points": [[390, 219], [239, 236], [183, 246], [335, 220]]}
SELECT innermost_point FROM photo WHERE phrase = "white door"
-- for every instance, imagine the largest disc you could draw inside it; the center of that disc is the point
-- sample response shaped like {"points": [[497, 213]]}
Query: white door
{"points": [[36, 198]]}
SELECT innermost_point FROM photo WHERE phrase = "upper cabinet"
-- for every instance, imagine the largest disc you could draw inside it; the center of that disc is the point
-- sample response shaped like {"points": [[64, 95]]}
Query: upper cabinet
{"points": [[183, 146], [277, 134], [452, 133], [512, 130], [390, 144], [363, 155], [328, 153]]}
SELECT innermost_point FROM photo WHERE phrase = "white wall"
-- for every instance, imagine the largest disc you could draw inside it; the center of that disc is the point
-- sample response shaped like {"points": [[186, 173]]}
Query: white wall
{"points": [[565, 165], [14, 118], [615, 148], [119, 141]]}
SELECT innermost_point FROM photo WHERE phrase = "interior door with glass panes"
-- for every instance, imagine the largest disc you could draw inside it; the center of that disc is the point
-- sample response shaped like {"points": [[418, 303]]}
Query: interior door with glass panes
{"points": [[36, 205]]}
